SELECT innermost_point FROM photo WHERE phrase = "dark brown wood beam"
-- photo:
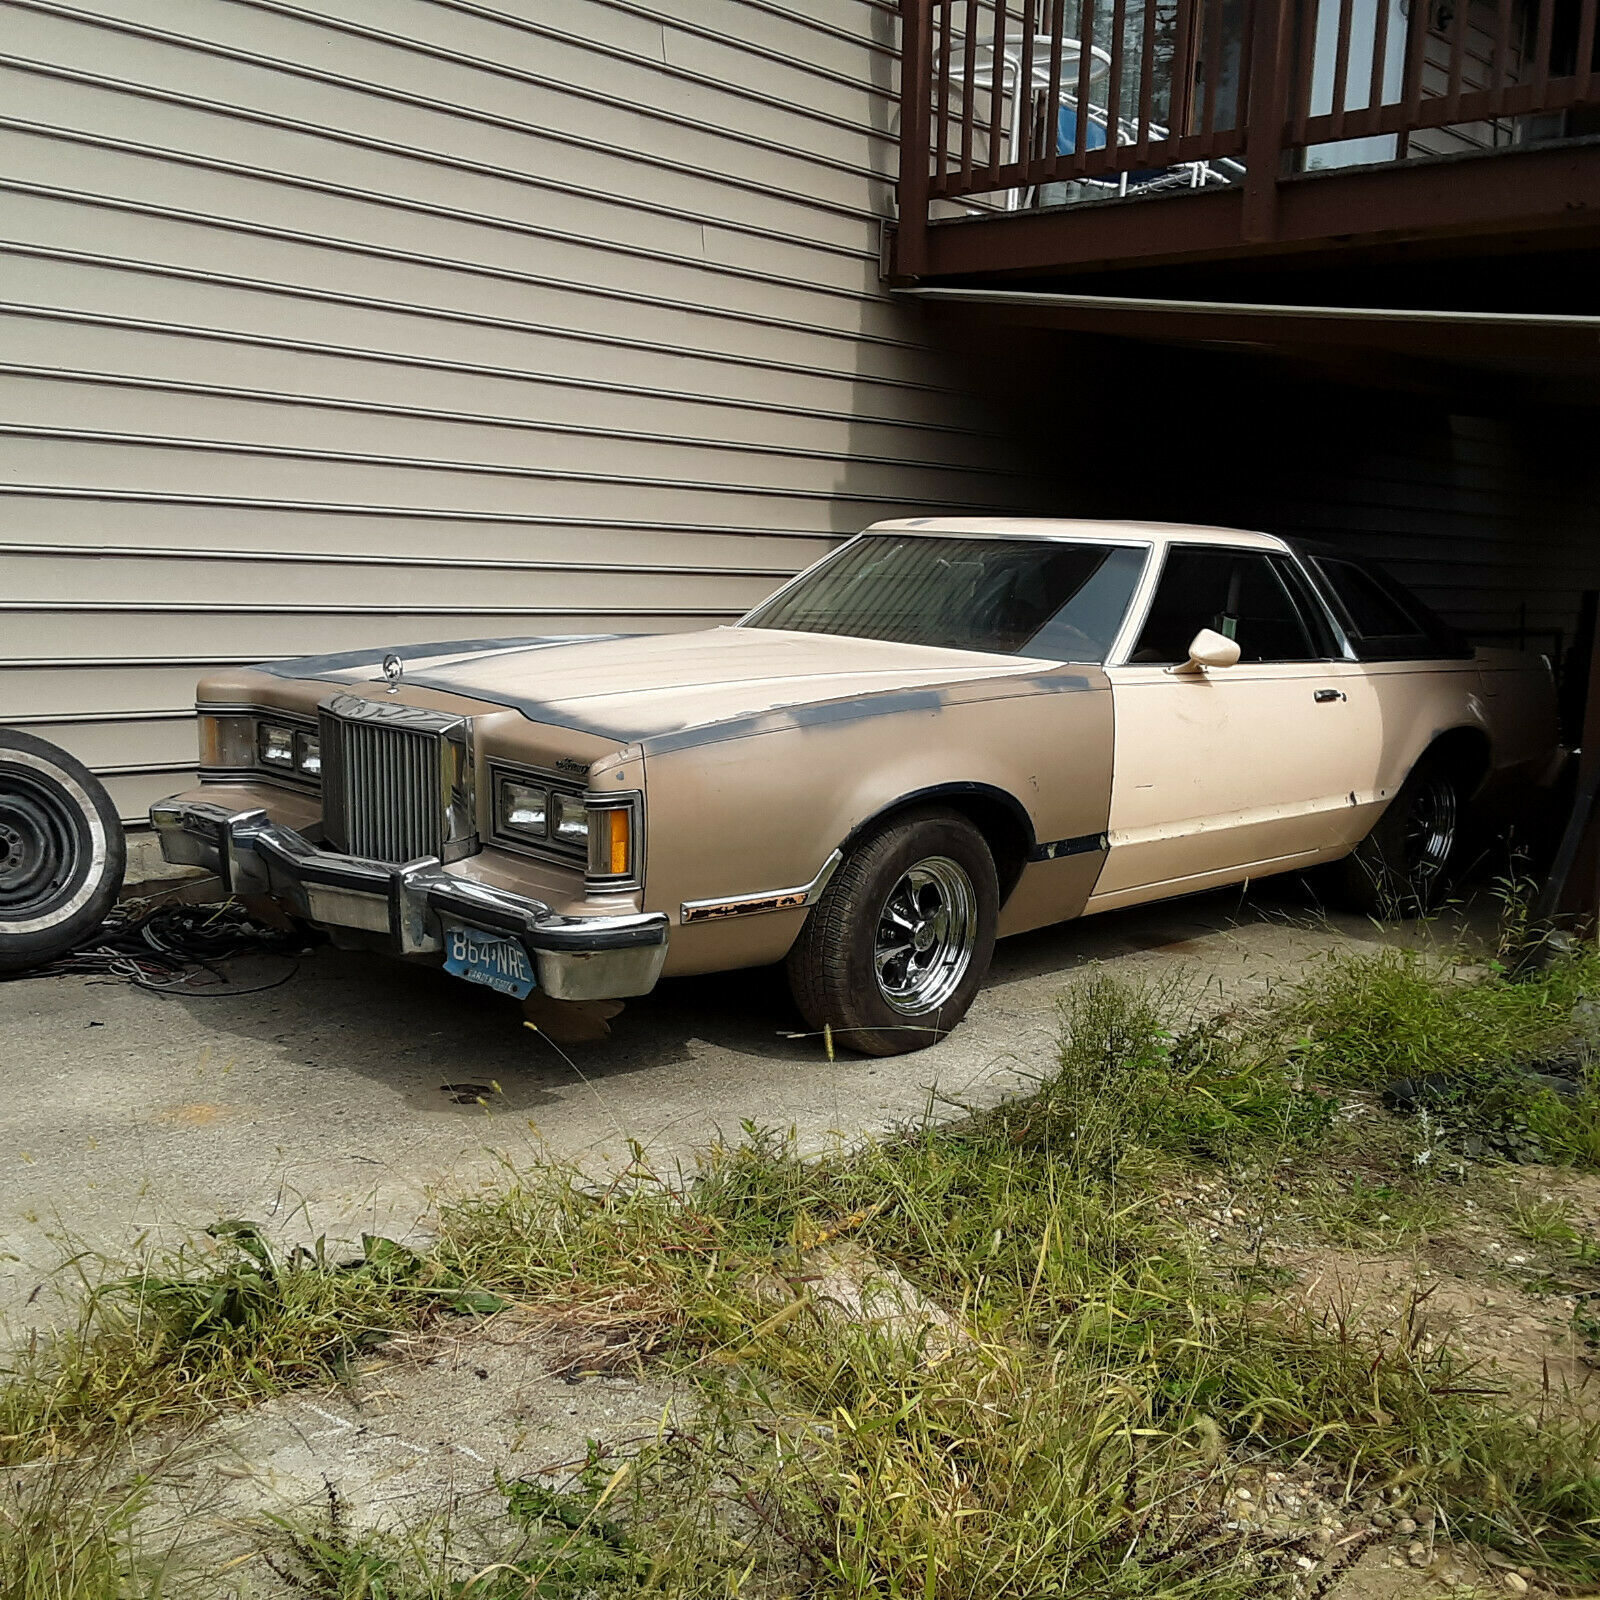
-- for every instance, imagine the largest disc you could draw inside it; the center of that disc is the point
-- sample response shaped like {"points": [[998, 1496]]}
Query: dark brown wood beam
{"points": [[1538, 193], [1565, 344]]}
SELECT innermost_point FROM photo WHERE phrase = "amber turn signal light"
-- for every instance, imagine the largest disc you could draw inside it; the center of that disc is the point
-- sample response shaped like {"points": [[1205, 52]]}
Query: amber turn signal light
{"points": [[617, 835]]}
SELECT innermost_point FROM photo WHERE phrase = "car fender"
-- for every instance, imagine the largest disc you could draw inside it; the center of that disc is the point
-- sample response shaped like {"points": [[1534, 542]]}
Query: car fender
{"points": [[757, 818]]}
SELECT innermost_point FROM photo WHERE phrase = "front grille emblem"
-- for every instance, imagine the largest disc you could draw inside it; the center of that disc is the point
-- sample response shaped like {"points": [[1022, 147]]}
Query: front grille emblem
{"points": [[393, 667]]}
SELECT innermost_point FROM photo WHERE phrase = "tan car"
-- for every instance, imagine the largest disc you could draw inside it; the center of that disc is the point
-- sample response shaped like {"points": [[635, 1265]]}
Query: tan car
{"points": [[946, 731]]}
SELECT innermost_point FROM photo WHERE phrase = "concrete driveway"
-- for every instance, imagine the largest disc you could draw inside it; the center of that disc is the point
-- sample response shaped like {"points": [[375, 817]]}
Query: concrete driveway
{"points": [[320, 1106]]}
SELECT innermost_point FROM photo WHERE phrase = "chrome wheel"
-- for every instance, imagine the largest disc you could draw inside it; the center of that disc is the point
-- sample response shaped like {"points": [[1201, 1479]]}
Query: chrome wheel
{"points": [[927, 931], [1430, 829]]}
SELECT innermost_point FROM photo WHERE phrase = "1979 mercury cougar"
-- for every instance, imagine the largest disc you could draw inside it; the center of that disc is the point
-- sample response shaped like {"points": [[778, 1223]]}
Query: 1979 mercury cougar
{"points": [[945, 731]]}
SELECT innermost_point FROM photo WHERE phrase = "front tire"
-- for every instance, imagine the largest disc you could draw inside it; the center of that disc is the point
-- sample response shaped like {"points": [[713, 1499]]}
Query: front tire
{"points": [[62, 852], [1402, 868], [893, 953]]}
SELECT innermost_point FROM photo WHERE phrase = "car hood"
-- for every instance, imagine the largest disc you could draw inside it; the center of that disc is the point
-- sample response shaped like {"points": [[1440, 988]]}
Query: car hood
{"points": [[648, 686]]}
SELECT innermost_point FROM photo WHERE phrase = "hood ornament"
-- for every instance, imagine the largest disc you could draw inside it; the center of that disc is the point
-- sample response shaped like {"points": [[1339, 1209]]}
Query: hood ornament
{"points": [[393, 668]]}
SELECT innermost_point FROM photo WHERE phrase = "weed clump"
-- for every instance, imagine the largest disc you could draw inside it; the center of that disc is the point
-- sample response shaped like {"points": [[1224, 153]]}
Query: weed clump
{"points": [[1108, 1375], [66, 1533], [188, 1336], [1507, 1062]]}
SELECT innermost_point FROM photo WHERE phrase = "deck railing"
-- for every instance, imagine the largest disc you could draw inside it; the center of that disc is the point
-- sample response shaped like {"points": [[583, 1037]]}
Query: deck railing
{"points": [[1018, 104]]}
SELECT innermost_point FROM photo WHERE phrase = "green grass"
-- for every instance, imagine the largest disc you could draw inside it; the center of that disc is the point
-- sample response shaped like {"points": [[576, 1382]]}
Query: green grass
{"points": [[1108, 1369], [66, 1534], [557, 1545], [214, 1327], [1070, 1383], [1365, 1020], [1550, 1223]]}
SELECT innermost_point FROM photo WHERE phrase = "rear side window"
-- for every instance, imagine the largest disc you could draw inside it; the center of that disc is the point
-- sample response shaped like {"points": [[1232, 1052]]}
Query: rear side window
{"points": [[1386, 622]]}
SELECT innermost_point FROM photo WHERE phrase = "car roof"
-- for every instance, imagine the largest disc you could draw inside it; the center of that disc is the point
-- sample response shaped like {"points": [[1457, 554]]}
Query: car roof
{"points": [[1067, 528]]}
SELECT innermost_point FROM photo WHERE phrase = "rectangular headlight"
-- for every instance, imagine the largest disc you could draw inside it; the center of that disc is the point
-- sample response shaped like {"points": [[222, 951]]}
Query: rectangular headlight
{"points": [[308, 755], [521, 808], [275, 746], [570, 820], [227, 742]]}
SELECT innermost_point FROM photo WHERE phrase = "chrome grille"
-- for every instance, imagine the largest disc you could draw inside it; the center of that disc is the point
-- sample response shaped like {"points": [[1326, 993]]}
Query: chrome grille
{"points": [[382, 785]]}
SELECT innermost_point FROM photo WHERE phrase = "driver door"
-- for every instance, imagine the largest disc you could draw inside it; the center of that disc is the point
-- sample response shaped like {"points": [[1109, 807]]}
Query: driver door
{"points": [[1228, 773]]}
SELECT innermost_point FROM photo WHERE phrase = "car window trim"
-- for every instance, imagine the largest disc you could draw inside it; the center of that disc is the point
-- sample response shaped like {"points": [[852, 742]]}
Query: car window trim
{"points": [[1312, 592], [1144, 598]]}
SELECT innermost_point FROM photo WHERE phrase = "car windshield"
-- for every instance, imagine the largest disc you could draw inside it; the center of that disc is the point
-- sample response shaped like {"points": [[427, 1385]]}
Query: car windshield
{"points": [[1054, 599]]}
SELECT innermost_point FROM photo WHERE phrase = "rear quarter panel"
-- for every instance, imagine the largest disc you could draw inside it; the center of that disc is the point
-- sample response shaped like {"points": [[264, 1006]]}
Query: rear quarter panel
{"points": [[1415, 702], [1507, 697], [1519, 699], [736, 810]]}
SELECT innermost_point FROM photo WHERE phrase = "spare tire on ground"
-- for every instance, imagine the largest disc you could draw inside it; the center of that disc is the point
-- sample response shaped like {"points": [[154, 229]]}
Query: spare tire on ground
{"points": [[62, 852]]}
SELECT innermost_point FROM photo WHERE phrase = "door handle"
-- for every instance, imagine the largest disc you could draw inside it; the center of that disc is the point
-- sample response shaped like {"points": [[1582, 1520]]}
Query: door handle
{"points": [[1326, 696]]}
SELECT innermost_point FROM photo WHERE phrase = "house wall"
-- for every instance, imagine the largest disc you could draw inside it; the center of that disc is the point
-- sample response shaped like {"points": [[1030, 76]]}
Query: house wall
{"points": [[1492, 519], [364, 321], [1477, 72], [1492, 515]]}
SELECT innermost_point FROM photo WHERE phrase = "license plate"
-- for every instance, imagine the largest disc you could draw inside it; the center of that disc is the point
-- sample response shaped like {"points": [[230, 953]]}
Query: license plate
{"points": [[488, 959]]}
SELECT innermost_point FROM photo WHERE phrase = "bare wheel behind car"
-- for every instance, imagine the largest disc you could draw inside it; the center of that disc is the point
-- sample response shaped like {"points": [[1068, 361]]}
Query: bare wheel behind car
{"points": [[893, 952], [1402, 867], [62, 851]]}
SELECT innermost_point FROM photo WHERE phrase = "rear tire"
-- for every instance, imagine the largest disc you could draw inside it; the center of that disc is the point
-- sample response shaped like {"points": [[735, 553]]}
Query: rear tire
{"points": [[893, 953], [1402, 868], [62, 852]]}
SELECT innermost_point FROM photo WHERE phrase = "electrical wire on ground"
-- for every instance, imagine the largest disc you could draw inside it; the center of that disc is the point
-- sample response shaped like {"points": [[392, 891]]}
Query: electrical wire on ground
{"points": [[175, 949]]}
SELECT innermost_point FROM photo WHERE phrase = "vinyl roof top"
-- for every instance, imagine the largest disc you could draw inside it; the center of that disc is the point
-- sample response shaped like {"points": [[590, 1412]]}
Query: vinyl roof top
{"points": [[1080, 528]]}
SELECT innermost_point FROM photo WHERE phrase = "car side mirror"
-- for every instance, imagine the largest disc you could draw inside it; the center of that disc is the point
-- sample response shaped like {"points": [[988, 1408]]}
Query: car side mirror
{"points": [[1209, 648]]}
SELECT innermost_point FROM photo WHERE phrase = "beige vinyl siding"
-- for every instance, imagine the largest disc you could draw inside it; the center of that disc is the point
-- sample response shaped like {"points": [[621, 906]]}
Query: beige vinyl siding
{"points": [[355, 322], [1477, 72], [1491, 520]]}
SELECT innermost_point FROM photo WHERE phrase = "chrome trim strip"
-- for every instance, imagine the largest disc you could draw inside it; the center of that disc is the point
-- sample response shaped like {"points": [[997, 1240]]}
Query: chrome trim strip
{"points": [[745, 905], [1311, 576], [250, 708], [1081, 845]]}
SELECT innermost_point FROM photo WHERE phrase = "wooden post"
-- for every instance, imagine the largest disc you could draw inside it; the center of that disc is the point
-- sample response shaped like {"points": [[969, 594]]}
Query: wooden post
{"points": [[1267, 110], [1572, 891], [916, 93]]}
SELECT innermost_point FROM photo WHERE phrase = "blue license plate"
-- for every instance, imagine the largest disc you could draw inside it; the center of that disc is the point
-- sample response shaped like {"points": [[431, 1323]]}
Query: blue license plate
{"points": [[489, 959]]}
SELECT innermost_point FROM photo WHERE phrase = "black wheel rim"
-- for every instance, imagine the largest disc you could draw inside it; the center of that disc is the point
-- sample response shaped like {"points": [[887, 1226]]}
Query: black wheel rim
{"points": [[1430, 832], [41, 847]]}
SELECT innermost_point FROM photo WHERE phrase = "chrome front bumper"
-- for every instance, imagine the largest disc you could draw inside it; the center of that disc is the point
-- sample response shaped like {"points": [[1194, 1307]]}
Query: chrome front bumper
{"points": [[576, 958]]}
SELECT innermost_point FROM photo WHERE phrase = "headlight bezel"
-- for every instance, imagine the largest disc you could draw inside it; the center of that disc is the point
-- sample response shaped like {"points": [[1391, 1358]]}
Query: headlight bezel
{"points": [[588, 847], [232, 738], [275, 745]]}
